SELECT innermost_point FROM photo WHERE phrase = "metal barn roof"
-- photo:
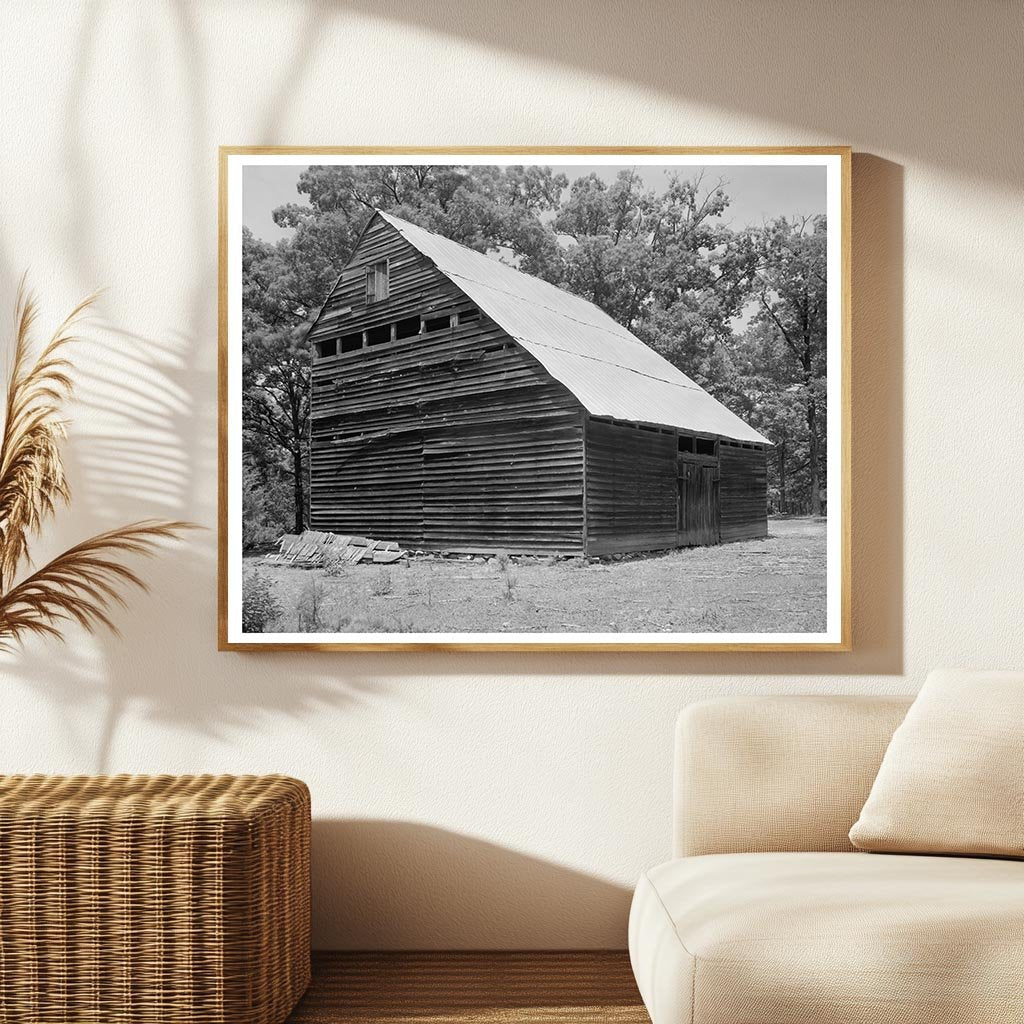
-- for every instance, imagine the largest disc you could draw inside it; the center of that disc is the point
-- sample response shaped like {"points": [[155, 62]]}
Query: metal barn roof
{"points": [[610, 371]]}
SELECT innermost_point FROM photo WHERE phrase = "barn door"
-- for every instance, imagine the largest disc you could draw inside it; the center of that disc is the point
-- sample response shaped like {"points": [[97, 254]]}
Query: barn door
{"points": [[697, 508]]}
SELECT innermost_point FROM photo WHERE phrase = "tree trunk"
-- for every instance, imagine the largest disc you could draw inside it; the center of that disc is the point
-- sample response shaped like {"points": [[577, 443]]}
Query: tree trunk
{"points": [[782, 477], [300, 491], [812, 457]]}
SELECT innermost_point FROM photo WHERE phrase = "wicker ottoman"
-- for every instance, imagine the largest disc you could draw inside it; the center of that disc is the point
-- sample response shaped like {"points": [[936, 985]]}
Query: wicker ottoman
{"points": [[135, 899]]}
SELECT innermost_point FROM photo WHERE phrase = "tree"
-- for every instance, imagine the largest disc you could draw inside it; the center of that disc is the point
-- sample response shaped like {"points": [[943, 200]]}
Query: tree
{"points": [[702, 277], [759, 383], [665, 266], [276, 387], [790, 288], [277, 285]]}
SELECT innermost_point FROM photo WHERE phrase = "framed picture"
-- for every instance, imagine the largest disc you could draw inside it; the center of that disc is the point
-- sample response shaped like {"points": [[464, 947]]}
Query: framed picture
{"points": [[553, 399]]}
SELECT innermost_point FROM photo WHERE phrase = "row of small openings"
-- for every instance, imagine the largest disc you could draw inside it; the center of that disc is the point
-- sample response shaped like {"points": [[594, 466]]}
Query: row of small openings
{"points": [[687, 442], [696, 445], [742, 444], [409, 327], [634, 426]]}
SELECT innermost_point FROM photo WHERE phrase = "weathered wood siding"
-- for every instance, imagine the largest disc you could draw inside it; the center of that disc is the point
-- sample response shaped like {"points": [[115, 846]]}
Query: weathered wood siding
{"points": [[454, 439], [631, 489], [743, 492]]}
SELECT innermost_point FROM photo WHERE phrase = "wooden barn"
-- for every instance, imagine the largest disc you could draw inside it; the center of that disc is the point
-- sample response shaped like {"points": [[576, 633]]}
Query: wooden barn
{"points": [[460, 405]]}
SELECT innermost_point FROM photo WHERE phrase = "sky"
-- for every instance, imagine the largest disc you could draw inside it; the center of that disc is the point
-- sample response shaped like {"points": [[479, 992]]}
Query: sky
{"points": [[757, 193]]}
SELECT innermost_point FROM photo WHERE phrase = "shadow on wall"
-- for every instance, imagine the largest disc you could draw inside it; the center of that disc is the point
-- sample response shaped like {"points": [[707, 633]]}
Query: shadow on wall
{"points": [[746, 58], [146, 447], [401, 885], [150, 444]]}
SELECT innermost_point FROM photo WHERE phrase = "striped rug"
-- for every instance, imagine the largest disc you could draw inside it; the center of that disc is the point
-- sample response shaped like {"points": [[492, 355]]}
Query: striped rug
{"points": [[471, 988]]}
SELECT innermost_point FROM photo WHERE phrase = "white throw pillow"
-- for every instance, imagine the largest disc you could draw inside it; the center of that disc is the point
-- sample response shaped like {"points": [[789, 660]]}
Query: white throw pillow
{"points": [[952, 779]]}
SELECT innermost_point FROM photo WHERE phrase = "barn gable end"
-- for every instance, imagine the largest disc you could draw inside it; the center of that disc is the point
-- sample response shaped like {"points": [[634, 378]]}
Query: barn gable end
{"points": [[452, 437]]}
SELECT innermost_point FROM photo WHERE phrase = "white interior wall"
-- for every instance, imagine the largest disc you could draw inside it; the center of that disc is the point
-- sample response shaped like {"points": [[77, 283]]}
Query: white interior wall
{"points": [[503, 800]]}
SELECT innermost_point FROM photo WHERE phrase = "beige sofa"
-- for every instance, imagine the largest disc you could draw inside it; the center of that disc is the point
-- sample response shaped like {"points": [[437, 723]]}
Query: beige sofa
{"points": [[769, 916]]}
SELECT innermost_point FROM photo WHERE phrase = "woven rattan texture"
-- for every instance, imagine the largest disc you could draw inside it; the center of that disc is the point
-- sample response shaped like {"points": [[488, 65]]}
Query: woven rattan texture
{"points": [[153, 899]]}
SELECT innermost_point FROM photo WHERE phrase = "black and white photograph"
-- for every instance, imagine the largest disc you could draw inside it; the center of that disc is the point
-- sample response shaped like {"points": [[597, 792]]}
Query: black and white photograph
{"points": [[534, 399]]}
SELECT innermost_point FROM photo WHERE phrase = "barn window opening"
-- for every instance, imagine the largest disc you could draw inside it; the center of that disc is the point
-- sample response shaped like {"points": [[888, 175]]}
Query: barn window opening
{"points": [[438, 323], [327, 348], [352, 342], [377, 282], [378, 335], [686, 443], [705, 446], [468, 316], [407, 328]]}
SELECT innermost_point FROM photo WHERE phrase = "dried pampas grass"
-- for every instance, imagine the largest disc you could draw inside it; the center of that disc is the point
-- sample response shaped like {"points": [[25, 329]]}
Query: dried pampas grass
{"points": [[83, 583]]}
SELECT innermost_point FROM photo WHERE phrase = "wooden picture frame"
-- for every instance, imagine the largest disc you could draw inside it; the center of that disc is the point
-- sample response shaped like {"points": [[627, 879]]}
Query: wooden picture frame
{"points": [[605, 417]]}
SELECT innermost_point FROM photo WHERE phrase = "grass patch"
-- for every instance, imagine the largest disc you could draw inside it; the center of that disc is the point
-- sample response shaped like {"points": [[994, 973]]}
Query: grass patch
{"points": [[774, 585]]}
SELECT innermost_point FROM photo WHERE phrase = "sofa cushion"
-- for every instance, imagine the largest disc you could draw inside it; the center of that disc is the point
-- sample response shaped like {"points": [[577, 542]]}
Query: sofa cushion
{"points": [[757, 774], [830, 938], [952, 778]]}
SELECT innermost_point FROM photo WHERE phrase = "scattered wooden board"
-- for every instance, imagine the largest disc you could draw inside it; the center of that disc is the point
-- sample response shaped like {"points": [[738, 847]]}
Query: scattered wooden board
{"points": [[314, 548]]}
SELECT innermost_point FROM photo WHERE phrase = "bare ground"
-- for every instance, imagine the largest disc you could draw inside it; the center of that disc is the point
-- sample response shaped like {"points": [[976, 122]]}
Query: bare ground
{"points": [[775, 585]]}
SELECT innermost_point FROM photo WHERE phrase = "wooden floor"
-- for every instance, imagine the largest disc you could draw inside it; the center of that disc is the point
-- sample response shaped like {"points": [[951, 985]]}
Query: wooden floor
{"points": [[471, 988]]}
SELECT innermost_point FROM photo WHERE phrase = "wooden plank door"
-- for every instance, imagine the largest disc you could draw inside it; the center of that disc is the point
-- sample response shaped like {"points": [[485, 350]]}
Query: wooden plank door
{"points": [[697, 508]]}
